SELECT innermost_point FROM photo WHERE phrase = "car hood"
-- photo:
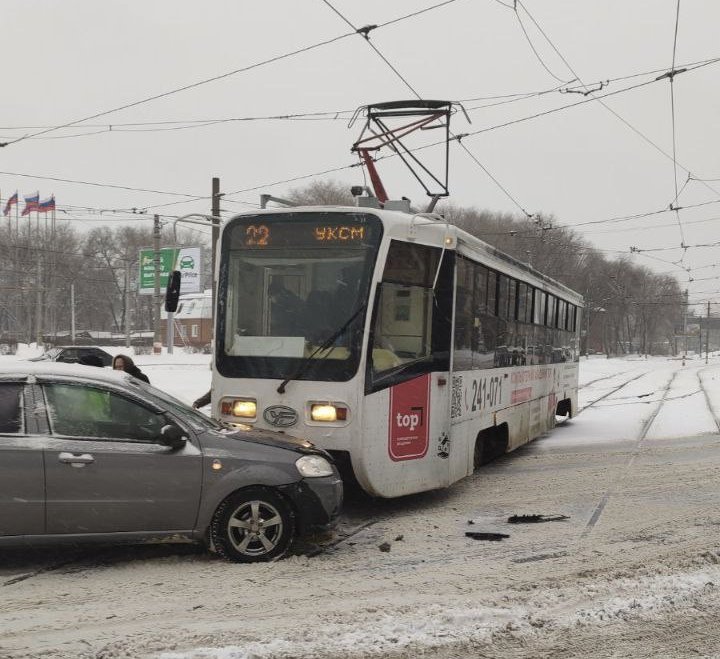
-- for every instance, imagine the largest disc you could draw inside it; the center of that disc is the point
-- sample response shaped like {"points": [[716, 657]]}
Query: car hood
{"points": [[264, 437]]}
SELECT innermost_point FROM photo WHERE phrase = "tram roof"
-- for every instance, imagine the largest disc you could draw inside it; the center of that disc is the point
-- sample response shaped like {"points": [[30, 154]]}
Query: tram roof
{"points": [[465, 243]]}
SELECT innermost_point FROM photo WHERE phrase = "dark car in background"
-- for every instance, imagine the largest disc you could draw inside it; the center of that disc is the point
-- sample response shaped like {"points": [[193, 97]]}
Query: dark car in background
{"points": [[73, 355], [90, 454]]}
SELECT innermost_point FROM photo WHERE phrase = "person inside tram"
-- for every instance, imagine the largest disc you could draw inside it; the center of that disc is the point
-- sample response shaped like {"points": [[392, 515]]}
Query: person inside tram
{"points": [[286, 311]]}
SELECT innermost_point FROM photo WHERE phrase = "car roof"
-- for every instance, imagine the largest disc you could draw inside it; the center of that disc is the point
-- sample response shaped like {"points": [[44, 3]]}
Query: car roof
{"points": [[85, 347], [23, 369]]}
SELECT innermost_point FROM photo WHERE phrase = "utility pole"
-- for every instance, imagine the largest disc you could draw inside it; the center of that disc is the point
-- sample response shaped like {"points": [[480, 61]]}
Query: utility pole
{"points": [[707, 334], [72, 312], [39, 305], [127, 303], [215, 212], [157, 341]]}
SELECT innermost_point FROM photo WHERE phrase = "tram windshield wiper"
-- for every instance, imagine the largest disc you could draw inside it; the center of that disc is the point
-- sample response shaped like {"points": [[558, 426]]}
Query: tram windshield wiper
{"points": [[325, 345]]}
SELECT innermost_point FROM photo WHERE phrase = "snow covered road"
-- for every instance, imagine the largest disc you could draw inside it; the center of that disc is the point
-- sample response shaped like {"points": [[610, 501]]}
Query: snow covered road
{"points": [[634, 570]]}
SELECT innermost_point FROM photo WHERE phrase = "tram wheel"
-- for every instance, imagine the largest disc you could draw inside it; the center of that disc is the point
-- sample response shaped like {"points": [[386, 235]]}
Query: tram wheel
{"points": [[478, 454]]}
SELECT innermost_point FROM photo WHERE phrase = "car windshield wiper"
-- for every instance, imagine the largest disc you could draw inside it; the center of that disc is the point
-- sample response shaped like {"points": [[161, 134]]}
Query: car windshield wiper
{"points": [[327, 343]]}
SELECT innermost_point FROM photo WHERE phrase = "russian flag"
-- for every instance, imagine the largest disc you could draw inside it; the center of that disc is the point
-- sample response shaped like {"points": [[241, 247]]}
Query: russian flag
{"points": [[10, 203], [31, 203], [46, 205]]}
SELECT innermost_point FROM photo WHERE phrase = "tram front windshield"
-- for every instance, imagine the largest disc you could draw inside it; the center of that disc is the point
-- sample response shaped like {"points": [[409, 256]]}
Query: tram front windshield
{"points": [[293, 293]]}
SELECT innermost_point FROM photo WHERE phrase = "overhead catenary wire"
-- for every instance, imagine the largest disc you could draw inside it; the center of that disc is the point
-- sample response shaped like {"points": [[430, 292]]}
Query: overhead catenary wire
{"points": [[671, 77], [221, 76], [324, 115], [529, 40], [146, 207], [198, 198], [364, 33]]}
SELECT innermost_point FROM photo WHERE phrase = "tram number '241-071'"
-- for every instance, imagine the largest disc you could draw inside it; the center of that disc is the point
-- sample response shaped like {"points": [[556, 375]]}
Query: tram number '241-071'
{"points": [[486, 393]]}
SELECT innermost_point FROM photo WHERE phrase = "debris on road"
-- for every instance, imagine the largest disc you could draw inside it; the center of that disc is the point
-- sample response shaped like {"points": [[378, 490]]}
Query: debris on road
{"points": [[479, 535], [535, 519]]}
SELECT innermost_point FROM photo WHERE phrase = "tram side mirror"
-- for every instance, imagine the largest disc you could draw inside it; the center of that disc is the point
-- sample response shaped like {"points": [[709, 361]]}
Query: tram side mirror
{"points": [[172, 294]]}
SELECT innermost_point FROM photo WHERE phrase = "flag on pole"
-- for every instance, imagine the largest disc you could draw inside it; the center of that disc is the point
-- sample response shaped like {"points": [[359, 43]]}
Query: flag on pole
{"points": [[10, 203], [46, 205], [31, 203]]}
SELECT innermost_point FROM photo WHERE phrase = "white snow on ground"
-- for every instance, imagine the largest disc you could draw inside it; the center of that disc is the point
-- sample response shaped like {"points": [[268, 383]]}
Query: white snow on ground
{"points": [[435, 625], [646, 561]]}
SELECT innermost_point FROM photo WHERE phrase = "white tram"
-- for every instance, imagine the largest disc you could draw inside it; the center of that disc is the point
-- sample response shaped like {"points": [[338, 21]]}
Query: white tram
{"points": [[409, 349]]}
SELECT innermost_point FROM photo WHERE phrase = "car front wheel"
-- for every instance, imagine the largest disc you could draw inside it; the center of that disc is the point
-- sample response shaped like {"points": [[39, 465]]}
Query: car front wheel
{"points": [[253, 525]]}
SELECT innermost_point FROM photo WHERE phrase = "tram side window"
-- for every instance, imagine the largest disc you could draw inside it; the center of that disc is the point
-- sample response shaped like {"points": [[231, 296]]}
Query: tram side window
{"points": [[484, 320], [475, 327], [562, 315], [411, 320], [539, 307], [551, 311], [503, 296], [522, 302], [492, 292], [464, 315]]}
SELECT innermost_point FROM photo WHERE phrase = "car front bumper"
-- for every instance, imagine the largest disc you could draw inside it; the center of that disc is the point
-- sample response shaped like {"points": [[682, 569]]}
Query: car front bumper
{"points": [[317, 501]]}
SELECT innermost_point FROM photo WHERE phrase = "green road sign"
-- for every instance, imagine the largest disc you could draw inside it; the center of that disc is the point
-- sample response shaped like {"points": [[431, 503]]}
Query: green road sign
{"points": [[186, 259]]}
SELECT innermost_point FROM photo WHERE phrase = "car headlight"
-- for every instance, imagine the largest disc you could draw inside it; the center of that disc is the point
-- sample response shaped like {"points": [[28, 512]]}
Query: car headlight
{"points": [[314, 466]]}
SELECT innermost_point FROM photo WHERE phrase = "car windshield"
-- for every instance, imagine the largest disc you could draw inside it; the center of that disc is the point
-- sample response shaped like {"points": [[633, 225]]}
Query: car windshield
{"points": [[197, 419], [288, 283]]}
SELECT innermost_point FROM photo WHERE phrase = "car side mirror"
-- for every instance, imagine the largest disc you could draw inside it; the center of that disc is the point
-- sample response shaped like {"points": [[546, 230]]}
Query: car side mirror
{"points": [[173, 436]]}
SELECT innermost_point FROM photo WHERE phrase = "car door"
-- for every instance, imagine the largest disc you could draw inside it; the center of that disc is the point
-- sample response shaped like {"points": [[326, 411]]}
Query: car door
{"points": [[22, 480], [105, 473]]}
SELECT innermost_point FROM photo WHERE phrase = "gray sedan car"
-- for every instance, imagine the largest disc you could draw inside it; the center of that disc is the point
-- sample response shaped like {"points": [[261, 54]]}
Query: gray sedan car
{"points": [[88, 454]]}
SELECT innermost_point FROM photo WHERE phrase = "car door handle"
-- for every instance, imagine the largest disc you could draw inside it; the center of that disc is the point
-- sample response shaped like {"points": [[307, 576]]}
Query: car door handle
{"points": [[76, 460]]}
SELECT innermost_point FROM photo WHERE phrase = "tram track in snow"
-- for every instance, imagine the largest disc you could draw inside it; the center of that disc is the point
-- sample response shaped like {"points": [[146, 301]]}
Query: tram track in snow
{"points": [[604, 377], [611, 392], [620, 478], [708, 402]]}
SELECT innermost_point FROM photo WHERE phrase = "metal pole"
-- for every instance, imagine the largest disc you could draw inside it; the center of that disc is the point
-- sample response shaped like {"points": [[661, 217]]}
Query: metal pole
{"points": [[157, 340], [127, 303], [38, 304], [72, 312], [707, 334], [170, 333], [215, 212], [685, 341]]}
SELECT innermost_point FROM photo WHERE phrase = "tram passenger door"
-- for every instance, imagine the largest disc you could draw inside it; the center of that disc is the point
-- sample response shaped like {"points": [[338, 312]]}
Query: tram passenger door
{"points": [[404, 446]]}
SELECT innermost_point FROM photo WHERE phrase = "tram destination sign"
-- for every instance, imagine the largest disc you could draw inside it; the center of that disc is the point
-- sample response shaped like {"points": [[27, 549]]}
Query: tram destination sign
{"points": [[261, 233], [188, 260]]}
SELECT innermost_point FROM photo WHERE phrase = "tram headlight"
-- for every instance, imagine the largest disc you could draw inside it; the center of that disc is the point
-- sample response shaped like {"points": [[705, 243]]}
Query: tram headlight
{"points": [[328, 412], [314, 466], [245, 408]]}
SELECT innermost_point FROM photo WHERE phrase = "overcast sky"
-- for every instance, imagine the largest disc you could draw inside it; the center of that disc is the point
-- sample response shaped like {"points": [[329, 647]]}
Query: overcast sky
{"points": [[600, 160]]}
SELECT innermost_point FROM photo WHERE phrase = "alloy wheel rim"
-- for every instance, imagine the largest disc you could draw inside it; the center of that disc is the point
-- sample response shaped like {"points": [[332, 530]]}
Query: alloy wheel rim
{"points": [[255, 528]]}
